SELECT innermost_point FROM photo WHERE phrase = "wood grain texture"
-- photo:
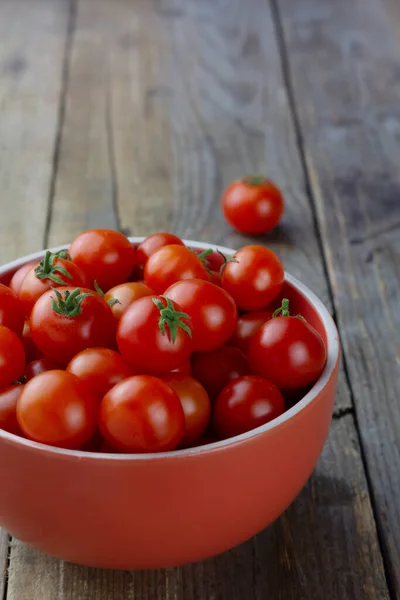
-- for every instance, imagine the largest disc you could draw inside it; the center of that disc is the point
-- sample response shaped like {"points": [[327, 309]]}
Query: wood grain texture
{"points": [[345, 64], [4, 547], [325, 543], [32, 45]]}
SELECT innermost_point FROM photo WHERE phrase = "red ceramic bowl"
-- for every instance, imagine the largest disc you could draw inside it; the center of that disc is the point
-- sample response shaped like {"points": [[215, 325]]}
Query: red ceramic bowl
{"points": [[159, 510]]}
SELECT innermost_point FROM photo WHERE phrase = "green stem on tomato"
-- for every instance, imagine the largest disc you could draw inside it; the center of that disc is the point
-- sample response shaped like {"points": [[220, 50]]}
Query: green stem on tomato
{"points": [[70, 305], [46, 269], [171, 319]]}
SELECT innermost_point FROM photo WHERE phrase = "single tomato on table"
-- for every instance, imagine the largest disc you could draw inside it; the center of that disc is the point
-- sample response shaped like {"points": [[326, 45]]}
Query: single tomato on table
{"points": [[247, 325], [246, 403], [142, 414], [216, 368], [11, 310], [173, 263], [100, 369], [253, 205], [253, 277], [195, 403], [154, 335], [125, 294], [287, 351], [56, 408], [212, 311], [65, 321], [12, 357], [105, 255], [51, 272], [150, 245], [8, 408]]}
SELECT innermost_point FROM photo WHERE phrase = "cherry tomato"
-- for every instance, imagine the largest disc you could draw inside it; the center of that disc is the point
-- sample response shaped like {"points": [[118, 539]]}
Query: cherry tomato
{"points": [[215, 278], [56, 408], [170, 264], [12, 357], [287, 351], [100, 369], [195, 403], [142, 414], [125, 293], [150, 245], [253, 278], [212, 311], [40, 365], [213, 260], [51, 272], [65, 321], [247, 325], [184, 369], [31, 352], [252, 205], [106, 256], [215, 369], [8, 408], [19, 275], [246, 403], [11, 310], [154, 335]]}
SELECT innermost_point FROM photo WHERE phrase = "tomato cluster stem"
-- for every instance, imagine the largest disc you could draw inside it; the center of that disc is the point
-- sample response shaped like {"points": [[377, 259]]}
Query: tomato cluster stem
{"points": [[171, 318], [70, 305]]}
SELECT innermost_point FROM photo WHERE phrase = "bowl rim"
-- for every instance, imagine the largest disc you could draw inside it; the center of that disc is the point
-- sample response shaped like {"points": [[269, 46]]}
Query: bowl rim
{"points": [[333, 351]]}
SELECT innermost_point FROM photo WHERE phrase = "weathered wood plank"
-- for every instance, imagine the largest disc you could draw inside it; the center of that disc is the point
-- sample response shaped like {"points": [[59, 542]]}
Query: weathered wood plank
{"points": [[345, 63], [4, 546], [32, 44]]}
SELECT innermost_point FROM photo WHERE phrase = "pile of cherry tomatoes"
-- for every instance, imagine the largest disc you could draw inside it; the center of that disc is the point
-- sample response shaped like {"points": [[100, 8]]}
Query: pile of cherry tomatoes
{"points": [[115, 348]]}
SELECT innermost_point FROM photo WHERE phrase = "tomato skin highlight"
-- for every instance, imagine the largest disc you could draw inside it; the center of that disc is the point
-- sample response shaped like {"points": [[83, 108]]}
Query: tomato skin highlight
{"points": [[142, 414], [19, 275], [57, 409], [254, 278], [212, 310], [195, 404], [170, 264], [126, 293], [105, 255], [253, 205], [100, 369], [143, 344], [32, 287], [150, 245], [12, 357], [288, 352], [8, 408], [40, 365], [247, 326], [216, 368], [60, 337], [246, 403], [11, 310]]}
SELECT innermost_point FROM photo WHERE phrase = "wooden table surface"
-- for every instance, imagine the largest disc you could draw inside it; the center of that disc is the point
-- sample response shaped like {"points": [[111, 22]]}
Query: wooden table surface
{"points": [[135, 114]]}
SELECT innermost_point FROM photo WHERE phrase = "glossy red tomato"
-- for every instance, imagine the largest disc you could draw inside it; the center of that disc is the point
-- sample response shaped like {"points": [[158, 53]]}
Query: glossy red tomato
{"points": [[195, 403], [8, 408], [41, 365], [254, 277], [31, 352], [213, 260], [142, 414], [56, 408], [100, 369], [51, 272], [170, 264], [11, 310], [65, 321], [212, 311], [19, 275], [126, 293], [12, 357], [216, 368], [246, 403], [150, 245], [287, 351], [247, 325], [154, 336], [105, 255], [184, 369], [252, 205]]}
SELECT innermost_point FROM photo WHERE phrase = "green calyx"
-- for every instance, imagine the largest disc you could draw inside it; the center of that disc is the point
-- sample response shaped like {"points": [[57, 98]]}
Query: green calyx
{"points": [[46, 269], [283, 311], [98, 289], [171, 319], [70, 305], [63, 254], [255, 180]]}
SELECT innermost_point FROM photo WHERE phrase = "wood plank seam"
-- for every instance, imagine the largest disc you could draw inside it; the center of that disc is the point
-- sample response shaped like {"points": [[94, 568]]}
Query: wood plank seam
{"points": [[301, 146]]}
